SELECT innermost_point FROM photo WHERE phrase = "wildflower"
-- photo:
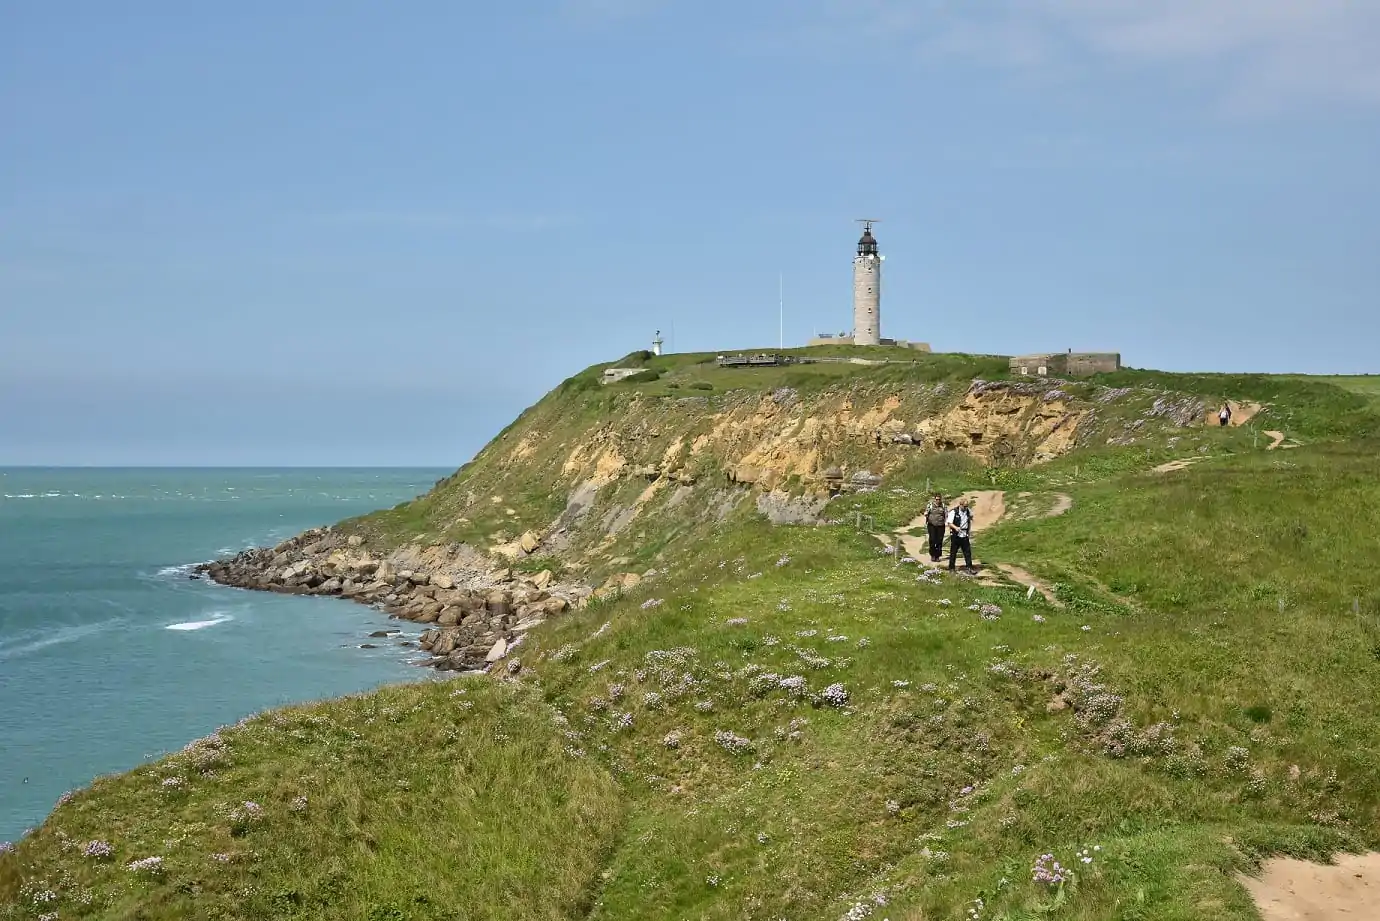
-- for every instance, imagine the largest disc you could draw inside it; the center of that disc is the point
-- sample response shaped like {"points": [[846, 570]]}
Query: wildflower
{"points": [[1085, 856], [755, 575], [795, 684], [6, 847], [763, 837], [252, 808], [622, 721], [66, 798], [97, 849], [736, 622], [1048, 871], [704, 706], [834, 695], [837, 638], [147, 865], [892, 806], [44, 896], [732, 742], [889, 550], [173, 783], [990, 611], [1038, 618], [784, 561], [1085, 628], [900, 683], [907, 559], [864, 643], [651, 603], [221, 858], [598, 665], [712, 879], [651, 700], [783, 605], [944, 603], [806, 634], [672, 739], [771, 641], [299, 804], [616, 692]]}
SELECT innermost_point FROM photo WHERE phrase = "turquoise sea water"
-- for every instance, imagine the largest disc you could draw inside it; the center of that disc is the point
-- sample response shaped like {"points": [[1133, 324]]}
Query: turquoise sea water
{"points": [[110, 654]]}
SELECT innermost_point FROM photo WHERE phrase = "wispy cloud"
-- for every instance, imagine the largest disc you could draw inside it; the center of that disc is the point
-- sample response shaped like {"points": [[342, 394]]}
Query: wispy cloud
{"points": [[1257, 53]]}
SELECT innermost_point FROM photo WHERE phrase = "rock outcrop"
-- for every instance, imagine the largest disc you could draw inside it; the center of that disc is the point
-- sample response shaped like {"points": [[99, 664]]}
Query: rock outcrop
{"points": [[478, 613]]}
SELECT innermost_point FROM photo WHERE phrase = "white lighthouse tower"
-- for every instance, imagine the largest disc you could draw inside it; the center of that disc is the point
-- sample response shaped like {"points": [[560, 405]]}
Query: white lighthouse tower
{"points": [[867, 289]]}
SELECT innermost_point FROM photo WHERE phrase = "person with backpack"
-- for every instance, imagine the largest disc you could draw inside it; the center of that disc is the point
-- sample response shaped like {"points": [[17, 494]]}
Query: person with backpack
{"points": [[1224, 416], [936, 514], [960, 522]]}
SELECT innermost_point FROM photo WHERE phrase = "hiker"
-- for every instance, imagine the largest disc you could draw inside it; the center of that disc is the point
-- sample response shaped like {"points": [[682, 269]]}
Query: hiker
{"points": [[936, 514], [877, 437], [1224, 416], [960, 522]]}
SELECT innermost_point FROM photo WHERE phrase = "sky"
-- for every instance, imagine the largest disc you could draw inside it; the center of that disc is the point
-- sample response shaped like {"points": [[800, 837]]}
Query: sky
{"points": [[332, 232]]}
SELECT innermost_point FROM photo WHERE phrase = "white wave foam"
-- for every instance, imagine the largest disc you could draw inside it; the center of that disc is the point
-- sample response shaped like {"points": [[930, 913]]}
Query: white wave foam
{"points": [[201, 624], [22, 495]]}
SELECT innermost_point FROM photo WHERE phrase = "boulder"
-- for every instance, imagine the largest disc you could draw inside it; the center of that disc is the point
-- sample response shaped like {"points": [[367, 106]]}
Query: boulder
{"points": [[449, 617], [385, 573], [555, 605], [443, 581], [529, 542], [444, 644], [384, 633], [426, 617], [329, 587], [527, 623], [542, 579], [497, 651], [355, 541]]}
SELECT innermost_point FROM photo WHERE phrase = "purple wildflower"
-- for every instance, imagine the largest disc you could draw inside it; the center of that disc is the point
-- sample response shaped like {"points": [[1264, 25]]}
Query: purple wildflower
{"points": [[98, 849]]}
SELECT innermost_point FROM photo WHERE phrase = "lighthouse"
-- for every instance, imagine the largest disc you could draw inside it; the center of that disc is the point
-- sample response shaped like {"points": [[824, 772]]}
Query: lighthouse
{"points": [[867, 289]]}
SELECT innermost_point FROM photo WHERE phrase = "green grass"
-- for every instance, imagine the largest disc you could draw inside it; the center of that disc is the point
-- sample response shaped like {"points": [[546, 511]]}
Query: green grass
{"points": [[1219, 646]]}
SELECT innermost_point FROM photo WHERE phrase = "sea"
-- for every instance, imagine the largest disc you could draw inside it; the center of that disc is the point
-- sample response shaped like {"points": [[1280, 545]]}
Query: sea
{"points": [[111, 655]]}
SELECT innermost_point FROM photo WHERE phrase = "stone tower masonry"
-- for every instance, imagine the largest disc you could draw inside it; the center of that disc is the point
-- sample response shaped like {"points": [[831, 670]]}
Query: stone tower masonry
{"points": [[867, 290]]}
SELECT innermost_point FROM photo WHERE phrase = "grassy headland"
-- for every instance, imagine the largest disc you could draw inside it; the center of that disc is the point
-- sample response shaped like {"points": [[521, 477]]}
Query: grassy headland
{"points": [[786, 722]]}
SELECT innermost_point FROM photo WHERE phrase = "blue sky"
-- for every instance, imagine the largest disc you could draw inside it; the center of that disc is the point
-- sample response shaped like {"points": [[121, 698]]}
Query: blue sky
{"points": [[367, 233]]}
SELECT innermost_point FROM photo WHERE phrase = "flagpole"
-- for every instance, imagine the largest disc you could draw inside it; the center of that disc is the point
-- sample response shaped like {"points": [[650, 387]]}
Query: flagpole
{"points": [[780, 310]]}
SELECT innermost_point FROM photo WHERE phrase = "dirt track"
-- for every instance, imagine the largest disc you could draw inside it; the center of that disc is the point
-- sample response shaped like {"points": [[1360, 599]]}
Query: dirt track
{"points": [[1295, 890]]}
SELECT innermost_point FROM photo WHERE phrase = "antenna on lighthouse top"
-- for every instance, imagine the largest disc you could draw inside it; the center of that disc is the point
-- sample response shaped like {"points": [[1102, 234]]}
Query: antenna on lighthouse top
{"points": [[867, 222]]}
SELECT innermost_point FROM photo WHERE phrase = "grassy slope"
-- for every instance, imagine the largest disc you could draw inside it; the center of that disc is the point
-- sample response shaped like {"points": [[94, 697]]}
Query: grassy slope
{"points": [[1229, 608]]}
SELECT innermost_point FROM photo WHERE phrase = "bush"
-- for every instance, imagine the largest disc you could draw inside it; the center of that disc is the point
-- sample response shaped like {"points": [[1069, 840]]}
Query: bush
{"points": [[701, 385], [642, 377]]}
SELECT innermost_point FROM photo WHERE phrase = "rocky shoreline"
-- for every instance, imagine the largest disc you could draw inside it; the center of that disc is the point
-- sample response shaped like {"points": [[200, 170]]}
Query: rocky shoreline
{"points": [[478, 615]]}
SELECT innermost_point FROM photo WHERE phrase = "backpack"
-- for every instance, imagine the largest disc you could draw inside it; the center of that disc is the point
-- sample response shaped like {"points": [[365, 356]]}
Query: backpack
{"points": [[935, 515]]}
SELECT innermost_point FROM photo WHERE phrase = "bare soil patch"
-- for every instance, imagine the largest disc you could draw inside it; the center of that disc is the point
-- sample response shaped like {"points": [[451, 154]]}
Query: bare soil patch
{"points": [[1296, 890]]}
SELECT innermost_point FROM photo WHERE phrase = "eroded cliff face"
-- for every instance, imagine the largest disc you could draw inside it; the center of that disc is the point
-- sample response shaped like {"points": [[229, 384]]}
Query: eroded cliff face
{"points": [[771, 440]]}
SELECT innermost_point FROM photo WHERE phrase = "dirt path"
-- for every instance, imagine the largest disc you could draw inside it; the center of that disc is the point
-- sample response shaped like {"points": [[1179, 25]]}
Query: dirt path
{"points": [[989, 507], [1029, 581], [1062, 503], [1295, 890], [1276, 439], [1179, 464]]}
